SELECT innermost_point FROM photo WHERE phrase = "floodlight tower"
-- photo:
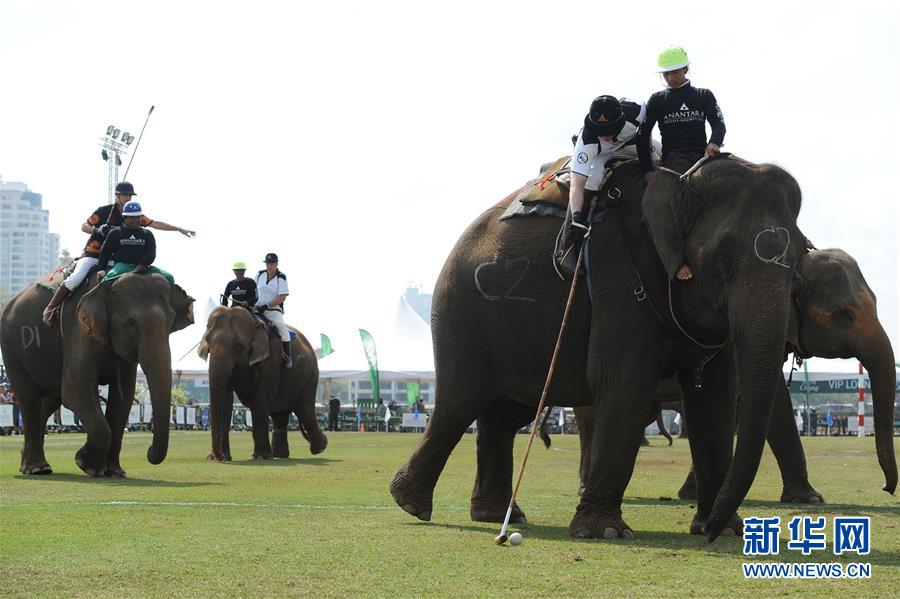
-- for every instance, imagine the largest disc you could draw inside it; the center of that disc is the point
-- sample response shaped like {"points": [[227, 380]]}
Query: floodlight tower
{"points": [[113, 149]]}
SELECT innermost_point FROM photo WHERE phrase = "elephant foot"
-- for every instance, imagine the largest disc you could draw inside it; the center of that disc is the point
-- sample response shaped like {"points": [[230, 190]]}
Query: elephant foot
{"points": [[593, 523], [409, 496], [481, 510], [733, 528], [113, 470], [281, 452], [801, 493], [689, 489], [35, 467], [89, 466], [262, 455], [218, 457]]}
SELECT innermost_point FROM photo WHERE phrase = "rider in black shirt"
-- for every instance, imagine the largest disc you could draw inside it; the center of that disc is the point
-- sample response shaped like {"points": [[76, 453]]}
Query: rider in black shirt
{"points": [[131, 247], [682, 112], [241, 290]]}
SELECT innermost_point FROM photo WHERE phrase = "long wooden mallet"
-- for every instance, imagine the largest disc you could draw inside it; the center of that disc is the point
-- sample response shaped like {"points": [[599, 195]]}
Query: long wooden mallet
{"points": [[502, 538]]}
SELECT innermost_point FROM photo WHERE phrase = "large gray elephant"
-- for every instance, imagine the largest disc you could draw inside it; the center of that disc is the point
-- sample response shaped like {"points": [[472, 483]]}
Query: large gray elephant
{"points": [[833, 316], [245, 359], [104, 332], [743, 245]]}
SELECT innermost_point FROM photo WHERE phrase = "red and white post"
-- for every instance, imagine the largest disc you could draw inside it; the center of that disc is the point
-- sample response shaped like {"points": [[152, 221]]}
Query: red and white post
{"points": [[862, 403]]}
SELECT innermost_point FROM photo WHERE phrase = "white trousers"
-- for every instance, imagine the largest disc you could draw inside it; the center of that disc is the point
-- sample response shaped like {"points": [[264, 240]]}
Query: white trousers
{"points": [[82, 267], [277, 319]]}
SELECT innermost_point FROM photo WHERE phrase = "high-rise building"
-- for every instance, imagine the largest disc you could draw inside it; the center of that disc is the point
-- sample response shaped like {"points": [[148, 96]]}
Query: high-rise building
{"points": [[28, 250]]}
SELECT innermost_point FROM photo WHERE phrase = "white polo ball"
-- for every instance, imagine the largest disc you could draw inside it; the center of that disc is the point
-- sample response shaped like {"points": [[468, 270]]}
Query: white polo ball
{"points": [[515, 539]]}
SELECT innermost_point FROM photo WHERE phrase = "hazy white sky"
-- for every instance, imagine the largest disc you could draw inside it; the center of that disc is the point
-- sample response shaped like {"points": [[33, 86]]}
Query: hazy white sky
{"points": [[358, 139]]}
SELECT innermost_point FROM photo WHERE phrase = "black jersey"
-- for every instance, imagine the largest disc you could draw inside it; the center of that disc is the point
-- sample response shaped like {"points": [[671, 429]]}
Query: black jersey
{"points": [[682, 114], [243, 291], [131, 246], [110, 214]]}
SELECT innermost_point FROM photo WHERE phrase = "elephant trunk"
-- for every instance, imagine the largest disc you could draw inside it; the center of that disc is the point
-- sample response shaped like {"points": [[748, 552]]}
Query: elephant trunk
{"points": [[157, 367], [758, 328], [221, 404], [878, 358]]}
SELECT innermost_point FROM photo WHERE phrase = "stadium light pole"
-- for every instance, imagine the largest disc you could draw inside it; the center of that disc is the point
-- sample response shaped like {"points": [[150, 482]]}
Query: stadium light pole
{"points": [[113, 148]]}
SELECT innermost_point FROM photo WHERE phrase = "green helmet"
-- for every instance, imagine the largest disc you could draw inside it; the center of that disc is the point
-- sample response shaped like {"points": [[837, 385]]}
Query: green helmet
{"points": [[239, 266], [672, 59]]}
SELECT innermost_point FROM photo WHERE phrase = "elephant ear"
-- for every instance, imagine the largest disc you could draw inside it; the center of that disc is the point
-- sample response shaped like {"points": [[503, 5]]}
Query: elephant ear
{"points": [[259, 345], [183, 304], [93, 313], [203, 349]]}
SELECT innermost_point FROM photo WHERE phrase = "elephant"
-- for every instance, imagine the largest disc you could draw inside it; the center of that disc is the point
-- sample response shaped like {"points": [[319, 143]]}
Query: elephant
{"points": [[104, 332], [496, 311], [245, 359]]}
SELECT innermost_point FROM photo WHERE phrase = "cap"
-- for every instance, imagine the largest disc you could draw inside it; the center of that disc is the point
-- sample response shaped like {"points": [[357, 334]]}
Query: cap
{"points": [[125, 188], [271, 257]]}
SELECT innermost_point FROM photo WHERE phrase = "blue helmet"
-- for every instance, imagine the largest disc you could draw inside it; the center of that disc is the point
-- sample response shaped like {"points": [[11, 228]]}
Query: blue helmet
{"points": [[132, 209]]}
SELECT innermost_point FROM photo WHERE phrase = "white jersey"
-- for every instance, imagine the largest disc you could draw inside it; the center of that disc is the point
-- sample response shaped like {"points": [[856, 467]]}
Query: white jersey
{"points": [[268, 289], [592, 153]]}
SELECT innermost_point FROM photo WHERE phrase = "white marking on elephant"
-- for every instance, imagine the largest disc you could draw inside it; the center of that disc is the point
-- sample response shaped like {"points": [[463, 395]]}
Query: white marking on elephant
{"points": [[779, 258], [510, 265], [30, 336]]}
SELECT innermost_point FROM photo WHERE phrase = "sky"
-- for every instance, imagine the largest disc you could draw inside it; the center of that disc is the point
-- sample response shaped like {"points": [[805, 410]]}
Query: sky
{"points": [[358, 140]]}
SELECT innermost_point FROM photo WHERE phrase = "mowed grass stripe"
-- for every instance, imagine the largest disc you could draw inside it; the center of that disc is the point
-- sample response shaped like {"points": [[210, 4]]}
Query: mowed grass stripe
{"points": [[326, 525]]}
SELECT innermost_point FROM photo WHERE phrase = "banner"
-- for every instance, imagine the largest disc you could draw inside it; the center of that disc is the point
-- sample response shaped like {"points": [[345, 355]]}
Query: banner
{"points": [[369, 347], [326, 345], [412, 391]]}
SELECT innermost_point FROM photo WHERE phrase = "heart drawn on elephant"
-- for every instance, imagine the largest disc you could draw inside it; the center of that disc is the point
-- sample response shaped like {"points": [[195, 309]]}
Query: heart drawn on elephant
{"points": [[771, 245], [498, 279]]}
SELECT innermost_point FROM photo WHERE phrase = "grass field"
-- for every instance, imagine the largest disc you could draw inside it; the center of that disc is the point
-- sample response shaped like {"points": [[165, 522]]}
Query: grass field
{"points": [[326, 526]]}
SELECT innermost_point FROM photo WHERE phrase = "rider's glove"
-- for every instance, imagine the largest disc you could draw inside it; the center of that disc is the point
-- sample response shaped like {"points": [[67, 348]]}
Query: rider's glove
{"points": [[578, 228]]}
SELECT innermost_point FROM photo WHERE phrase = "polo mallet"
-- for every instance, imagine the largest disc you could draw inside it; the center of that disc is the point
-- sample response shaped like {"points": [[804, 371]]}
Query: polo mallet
{"points": [[133, 152], [697, 165], [502, 537]]}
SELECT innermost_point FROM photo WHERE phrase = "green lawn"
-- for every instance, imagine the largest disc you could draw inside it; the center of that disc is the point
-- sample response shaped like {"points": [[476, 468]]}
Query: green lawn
{"points": [[326, 526]]}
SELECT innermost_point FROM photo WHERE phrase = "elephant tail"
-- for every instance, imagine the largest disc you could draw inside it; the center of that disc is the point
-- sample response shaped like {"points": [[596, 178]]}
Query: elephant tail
{"points": [[544, 436]]}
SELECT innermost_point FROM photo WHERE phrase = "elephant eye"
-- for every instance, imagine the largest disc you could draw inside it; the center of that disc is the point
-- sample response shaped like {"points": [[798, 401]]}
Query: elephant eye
{"points": [[842, 315]]}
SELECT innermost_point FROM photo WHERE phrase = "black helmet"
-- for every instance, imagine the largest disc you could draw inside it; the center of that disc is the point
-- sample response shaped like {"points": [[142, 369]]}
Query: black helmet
{"points": [[125, 188], [605, 116], [271, 257]]}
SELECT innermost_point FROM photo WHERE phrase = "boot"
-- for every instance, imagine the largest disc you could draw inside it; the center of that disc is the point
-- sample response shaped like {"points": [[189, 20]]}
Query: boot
{"points": [[51, 312], [288, 363]]}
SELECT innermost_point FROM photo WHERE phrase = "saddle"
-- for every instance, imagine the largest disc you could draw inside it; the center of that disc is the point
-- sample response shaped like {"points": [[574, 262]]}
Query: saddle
{"points": [[52, 281]]}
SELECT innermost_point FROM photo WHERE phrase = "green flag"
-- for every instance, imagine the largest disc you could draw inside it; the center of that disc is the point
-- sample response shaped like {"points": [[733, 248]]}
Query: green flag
{"points": [[326, 345], [412, 392], [369, 347]]}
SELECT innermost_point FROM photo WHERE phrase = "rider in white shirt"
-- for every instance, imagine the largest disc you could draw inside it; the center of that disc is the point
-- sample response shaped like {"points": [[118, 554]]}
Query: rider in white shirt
{"points": [[272, 290]]}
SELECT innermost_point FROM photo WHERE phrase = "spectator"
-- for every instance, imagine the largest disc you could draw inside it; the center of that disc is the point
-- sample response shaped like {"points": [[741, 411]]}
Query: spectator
{"points": [[334, 413]]}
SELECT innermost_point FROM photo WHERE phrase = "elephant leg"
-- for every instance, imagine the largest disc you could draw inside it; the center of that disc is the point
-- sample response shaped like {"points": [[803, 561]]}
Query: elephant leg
{"points": [[118, 405], [620, 419], [220, 412], [711, 413], [306, 414], [34, 422], [412, 486], [785, 443], [80, 391], [262, 449], [495, 436], [280, 447], [584, 416]]}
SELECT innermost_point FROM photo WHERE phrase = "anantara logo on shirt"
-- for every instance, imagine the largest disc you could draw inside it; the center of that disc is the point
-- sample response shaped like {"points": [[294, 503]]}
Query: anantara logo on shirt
{"points": [[131, 241], [684, 115]]}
